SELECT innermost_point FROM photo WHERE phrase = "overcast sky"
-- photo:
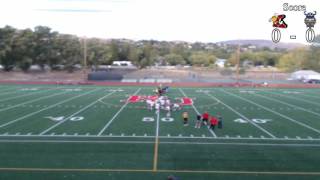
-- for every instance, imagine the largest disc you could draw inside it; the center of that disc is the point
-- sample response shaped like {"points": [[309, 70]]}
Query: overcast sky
{"points": [[187, 20]]}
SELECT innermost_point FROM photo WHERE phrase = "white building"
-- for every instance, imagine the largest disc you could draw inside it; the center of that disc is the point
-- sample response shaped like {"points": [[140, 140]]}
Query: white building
{"points": [[305, 75], [220, 63], [122, 63]]}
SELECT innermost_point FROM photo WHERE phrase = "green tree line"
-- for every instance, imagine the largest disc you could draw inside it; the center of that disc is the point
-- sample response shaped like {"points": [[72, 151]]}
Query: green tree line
{"points": [[44, 47]]}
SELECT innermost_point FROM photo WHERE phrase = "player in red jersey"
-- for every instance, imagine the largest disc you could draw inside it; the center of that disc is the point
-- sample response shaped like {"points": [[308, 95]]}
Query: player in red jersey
{"points": [[213, 122], [205, 118]]}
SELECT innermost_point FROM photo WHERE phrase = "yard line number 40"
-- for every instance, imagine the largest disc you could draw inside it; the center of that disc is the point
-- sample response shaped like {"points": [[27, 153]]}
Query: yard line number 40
{"points": [[62, 118], [258, 121]]}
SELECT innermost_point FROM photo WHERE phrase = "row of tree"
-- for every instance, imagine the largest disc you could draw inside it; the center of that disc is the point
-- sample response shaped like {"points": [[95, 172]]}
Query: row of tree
{"points": [[302, 58], [44, 47]]}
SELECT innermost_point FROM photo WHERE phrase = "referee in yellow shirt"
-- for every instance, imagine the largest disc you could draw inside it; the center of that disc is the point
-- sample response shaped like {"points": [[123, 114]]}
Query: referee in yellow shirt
{"points": [[185, 117]]}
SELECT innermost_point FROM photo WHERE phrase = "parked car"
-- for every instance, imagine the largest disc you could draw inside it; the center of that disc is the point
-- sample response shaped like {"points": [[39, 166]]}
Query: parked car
{"points": [[313, 81]]}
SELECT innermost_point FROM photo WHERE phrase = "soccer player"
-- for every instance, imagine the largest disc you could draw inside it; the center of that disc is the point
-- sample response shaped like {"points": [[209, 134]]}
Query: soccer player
{"points": [[205, 118], [220, 121], [198, 122], [168, 103], [149, 104], [176, 107], [213, 122], [185, 117], [167, 108], [165, 89], [162, 102]]}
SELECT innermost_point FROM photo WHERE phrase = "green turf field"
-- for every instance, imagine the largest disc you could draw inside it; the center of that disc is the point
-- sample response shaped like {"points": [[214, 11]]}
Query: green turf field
{"points": [[92, 132]]}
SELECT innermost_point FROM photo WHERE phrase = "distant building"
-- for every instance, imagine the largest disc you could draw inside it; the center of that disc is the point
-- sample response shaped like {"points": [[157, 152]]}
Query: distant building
{"points": [[220, 63], [305, 75], [122, 63], [252, 47]]}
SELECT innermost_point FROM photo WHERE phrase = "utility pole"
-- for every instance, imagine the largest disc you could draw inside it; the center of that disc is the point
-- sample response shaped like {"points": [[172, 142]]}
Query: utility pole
{"points": [[84, 58], [238, 63]]}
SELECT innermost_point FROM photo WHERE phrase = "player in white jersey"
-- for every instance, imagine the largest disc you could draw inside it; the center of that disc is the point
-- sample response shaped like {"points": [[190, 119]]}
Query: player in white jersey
{"points": [[176, 107], [162, 102], [150, 104], [168, 109], [167, 103]]}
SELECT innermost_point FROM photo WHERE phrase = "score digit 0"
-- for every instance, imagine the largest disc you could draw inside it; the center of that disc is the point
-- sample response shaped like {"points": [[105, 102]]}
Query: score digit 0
{"points": [[310, 35], [276, 35]]}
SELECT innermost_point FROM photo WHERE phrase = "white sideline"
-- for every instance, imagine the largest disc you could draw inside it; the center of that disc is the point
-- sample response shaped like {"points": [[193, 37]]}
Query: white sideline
{"points": [[51, 106], [86, 107], [195, 109], [162, 142], [274, 112], [111, 120], [241, 115], [53, 135]]}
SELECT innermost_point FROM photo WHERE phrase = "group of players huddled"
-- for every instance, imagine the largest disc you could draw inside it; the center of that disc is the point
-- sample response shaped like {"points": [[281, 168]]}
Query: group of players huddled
{"points": [[163, 102]]}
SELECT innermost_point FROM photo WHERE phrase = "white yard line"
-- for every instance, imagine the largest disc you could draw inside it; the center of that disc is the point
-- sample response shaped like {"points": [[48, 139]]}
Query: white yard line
{"points": [[195, 109], [8, 89], [282, 102], [157, 125], [49, 107], [31, 101], [10, 92], [309, 96], [112, 119], [72, 115], [274, 112], [156, 145], [291, 97], [241, 115], [29, 94]]}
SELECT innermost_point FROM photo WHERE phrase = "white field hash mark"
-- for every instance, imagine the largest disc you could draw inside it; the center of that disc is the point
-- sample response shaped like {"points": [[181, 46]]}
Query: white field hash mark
{"points": [[195, 109], [274, 112], [112, 119], [49, 107], [72, 115], [244, 117]]}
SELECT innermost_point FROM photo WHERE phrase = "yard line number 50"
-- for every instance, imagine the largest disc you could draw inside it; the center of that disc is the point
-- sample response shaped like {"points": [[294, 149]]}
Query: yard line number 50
{"points": [[151, 119]]}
